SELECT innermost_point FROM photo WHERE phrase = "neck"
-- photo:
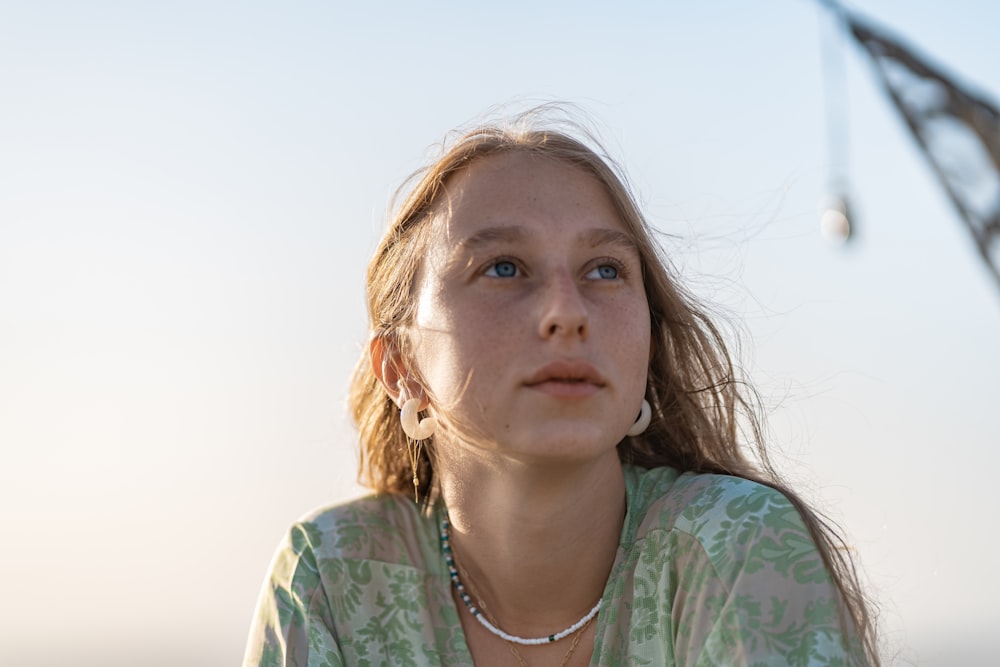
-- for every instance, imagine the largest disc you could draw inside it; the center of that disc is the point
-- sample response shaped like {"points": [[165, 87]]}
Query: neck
{"points": [[536, 541]]}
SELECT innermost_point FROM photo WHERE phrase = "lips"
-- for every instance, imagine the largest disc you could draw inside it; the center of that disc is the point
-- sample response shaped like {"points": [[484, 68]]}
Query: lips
{"points": [[566, 373]]}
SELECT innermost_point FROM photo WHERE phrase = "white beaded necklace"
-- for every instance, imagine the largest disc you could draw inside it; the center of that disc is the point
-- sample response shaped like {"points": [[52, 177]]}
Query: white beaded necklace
{"points": [[478, 614]]}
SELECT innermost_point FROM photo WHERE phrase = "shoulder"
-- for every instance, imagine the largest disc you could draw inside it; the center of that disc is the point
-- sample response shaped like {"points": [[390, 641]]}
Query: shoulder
{"points": [[700, 503], [665, 499], [720, 570], [335, 551], [734, 523], [338, 568], [386, 528]]}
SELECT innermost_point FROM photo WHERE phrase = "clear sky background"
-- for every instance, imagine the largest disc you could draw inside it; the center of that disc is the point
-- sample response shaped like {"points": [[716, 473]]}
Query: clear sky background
{"points": [[189, 193]]}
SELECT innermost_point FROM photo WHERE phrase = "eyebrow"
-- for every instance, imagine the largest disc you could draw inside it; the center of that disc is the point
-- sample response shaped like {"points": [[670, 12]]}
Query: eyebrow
{"points": [[492, 235], [596, 237], [511, 233]]}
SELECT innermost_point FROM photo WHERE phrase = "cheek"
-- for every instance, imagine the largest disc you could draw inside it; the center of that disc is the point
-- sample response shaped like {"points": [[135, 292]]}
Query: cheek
{"points": [[457, 349], [638, 358], [632, 332], [471, 369], [437, 361]]}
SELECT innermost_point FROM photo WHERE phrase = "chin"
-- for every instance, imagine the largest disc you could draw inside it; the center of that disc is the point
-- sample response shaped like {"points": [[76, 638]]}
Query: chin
{"points": [[575, 447]]}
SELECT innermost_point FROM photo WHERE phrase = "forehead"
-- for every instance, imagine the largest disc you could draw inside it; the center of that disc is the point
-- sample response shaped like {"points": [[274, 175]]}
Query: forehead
{"points": [[518, 188]]}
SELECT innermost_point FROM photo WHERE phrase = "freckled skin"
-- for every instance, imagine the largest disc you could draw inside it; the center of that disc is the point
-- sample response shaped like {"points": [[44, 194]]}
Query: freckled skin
{"points": [[527, 266]]}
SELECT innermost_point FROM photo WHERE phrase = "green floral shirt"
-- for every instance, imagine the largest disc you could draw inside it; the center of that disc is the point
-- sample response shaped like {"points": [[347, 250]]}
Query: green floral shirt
{"points": [[710, 570]]}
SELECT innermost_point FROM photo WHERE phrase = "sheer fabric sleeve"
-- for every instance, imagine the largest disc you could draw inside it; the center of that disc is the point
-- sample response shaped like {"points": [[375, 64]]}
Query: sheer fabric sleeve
{"points": [[752, 589], [292, 625]]}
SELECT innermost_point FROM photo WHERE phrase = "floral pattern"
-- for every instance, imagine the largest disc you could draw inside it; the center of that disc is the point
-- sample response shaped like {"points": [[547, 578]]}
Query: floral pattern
{"points": [[710, 570]]}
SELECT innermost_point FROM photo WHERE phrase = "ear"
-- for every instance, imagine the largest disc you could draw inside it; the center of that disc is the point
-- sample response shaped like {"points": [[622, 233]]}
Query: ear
{"points": [[391, 370]]}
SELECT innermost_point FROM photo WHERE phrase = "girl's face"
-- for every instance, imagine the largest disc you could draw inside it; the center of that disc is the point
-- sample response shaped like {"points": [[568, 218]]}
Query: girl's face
{"points": [[532, 331]]}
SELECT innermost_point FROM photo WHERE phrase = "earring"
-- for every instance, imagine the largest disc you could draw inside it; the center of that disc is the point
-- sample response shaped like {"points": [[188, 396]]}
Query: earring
{"points": [[415, 430], [645, 415], [414, 449]]}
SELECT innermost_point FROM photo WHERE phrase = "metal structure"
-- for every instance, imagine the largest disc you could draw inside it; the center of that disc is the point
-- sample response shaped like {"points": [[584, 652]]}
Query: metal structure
{"points": [[956, 129]]}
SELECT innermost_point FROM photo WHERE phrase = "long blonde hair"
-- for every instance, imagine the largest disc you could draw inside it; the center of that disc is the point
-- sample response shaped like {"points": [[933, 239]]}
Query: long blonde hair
{"points": [[697, 397]]}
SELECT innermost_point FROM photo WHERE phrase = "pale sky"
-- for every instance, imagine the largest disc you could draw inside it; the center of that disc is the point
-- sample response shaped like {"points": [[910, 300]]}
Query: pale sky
{"points": [[189, 193]]}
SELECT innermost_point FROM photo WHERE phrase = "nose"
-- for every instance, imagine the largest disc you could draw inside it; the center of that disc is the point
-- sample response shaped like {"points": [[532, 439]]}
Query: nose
{"points": [[565, 311]]}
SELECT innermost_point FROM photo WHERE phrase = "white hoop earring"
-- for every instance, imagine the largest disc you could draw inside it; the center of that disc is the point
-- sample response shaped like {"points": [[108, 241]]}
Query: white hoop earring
{"points": [[416, 430], [645, 415]]}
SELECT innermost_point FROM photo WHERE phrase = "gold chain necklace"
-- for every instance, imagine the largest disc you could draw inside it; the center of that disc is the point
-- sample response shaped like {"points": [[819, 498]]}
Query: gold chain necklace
{"points": [[572, 647]]}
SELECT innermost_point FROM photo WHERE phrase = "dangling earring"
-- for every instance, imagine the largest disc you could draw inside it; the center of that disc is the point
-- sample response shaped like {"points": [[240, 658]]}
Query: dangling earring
{"points": [[413, 450], [411, 427], [645, 415], [415, 432]]}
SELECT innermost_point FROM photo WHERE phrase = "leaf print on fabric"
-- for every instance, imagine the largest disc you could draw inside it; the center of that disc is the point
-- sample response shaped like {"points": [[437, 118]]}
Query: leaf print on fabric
{"points": [[706, 501], [322, 649], [307, 536], [742, 628], [726, 535], [710, 570], [751, 503], [401, 653], [270, 655], [386, 634], [374, 633], [803, 654], [369, 529], [406, 590], [359, 571], [352, 537], [289, 610], [449, 637], [728, 637], [727, 527], [329, 659], [346, 579], [783, 516], [747, 627], [792, 553], [822, 612], [778, 608], [645, 619]]}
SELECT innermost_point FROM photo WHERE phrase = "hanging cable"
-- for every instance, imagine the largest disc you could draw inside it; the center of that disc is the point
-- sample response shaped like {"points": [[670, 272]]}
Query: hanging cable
{"points": [[837, 223]]}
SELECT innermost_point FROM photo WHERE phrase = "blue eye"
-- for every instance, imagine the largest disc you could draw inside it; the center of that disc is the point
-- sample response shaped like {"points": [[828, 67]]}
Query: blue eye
{"points": [[604, 272], [502, 269]]}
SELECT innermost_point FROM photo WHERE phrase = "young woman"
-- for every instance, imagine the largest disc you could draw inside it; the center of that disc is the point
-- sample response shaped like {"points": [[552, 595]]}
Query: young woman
{"points": [[550, 426]]}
